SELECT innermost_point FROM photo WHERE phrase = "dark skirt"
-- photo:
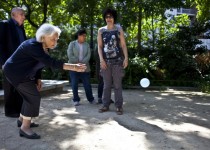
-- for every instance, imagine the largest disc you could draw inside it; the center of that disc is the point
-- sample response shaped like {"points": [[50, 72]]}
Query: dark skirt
{"points": [[31, 98]]}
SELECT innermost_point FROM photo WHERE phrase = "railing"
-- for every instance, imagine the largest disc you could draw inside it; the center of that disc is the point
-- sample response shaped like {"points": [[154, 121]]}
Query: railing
{"points": [[205, 42], [186, 11]]}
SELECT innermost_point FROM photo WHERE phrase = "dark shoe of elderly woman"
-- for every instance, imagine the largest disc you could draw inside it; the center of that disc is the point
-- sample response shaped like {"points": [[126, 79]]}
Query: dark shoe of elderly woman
{"points": [[19, 124], [119, 111], [103, 109], [32, 136]]}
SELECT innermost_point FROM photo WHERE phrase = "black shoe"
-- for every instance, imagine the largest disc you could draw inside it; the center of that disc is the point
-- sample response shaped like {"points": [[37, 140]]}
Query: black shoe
{"points": [[33, 136], [12, 115], [103, 109], [111, 101], [119, 111], [19, 124]]}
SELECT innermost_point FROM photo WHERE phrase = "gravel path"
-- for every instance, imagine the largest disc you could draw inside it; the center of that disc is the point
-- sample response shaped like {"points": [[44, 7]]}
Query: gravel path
{"points": [[152, 120]]}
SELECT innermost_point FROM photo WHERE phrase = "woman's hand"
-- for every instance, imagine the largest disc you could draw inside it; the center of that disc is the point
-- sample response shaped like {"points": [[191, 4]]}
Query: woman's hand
{"points": [[125, 63], [103, 64], [39, 85]]}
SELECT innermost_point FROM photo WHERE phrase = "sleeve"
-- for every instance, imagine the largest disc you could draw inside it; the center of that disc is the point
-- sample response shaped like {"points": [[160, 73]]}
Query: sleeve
{"points": [[119, 28], [51, 62], [86, 58], [70, 53], [38, 74], [37, 53]]}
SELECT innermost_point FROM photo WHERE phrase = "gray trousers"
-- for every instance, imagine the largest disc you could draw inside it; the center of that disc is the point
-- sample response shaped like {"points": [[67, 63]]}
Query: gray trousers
{"points": [[113, 74], [31, 98]]}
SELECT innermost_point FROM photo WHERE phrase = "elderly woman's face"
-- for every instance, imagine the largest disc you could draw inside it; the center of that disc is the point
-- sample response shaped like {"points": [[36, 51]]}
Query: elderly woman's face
{"points": [[50, 41]]}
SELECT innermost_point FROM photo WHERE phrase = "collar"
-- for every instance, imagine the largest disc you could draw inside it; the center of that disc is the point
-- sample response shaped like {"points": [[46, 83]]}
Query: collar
{"points": [[16, 23]]}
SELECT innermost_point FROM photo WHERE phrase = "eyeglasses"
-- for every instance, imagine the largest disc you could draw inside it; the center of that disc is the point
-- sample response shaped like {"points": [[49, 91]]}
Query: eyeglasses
{"points": [[109, 17]]}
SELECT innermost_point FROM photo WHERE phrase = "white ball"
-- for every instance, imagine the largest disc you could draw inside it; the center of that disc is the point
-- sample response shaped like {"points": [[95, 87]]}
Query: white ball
{"points": [[144, 82]]}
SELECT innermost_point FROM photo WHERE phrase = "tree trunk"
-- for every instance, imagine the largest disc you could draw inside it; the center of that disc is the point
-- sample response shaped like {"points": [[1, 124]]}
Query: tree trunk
{"points": [[91, 36], [139, 28]]}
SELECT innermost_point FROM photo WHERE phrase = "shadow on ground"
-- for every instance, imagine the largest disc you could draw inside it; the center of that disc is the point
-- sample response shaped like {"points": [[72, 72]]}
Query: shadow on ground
{"points": [[152, 120]]}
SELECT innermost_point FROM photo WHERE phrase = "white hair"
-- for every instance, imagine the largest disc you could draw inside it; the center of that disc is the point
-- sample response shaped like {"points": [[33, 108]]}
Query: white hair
{"points": [[46, 29]]}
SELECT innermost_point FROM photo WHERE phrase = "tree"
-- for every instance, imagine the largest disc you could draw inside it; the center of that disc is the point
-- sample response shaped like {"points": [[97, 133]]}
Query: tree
{"points": [[150, 35], [37, 12], [203, 7]]}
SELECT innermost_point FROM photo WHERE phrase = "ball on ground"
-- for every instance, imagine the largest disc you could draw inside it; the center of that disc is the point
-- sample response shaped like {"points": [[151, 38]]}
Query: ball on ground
{"points": [[144, 82]]}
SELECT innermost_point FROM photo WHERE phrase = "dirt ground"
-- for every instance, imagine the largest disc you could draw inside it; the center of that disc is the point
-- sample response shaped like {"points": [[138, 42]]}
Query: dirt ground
{"points": [[152, 120]]}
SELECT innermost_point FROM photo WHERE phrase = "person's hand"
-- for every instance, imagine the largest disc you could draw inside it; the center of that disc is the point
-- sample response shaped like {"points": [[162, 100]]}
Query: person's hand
{"points": [[39, 85], [80, 67], [125, 63], [103, 64]]}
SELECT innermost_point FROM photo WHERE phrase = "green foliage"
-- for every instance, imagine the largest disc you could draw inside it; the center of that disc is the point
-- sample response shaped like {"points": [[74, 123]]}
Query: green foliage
{"points": [[139, 67], [173, 53], [30, 30], [204, 83], [203, 6], [159, 48], [176, 55]]}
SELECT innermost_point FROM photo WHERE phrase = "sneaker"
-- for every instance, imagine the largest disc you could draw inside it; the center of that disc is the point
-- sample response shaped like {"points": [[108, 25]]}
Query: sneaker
{"points": [[103, 109], [99, 101], [93, 102], [76, 103], [119, 111]]}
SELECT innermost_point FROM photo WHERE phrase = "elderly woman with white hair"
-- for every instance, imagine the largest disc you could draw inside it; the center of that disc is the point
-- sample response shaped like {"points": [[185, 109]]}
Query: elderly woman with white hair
{"points": [[23, 71]]}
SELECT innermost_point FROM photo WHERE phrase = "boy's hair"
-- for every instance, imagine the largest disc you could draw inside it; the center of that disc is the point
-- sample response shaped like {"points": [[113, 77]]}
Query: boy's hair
{"points": [[80, 32]]}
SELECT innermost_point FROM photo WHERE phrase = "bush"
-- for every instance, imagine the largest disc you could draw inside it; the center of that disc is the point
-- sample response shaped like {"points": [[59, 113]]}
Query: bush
{"points": [[204, 84], [138, 68]]}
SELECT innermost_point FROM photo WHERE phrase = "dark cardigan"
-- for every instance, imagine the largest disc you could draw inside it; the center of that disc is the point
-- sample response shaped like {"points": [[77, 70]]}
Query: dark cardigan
{"points": [[27, 61]]}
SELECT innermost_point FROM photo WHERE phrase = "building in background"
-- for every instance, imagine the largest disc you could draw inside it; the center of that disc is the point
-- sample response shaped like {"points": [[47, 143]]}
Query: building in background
{"points": [[192, 12]]}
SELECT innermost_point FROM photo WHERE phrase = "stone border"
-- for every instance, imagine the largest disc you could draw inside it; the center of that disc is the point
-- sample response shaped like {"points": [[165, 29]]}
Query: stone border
{"points": [[52, 86], [49, 86]]}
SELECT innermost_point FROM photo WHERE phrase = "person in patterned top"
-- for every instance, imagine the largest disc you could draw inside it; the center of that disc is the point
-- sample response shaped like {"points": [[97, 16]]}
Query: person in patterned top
{"points": [[113, 57]]}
